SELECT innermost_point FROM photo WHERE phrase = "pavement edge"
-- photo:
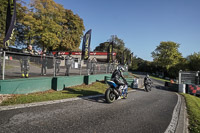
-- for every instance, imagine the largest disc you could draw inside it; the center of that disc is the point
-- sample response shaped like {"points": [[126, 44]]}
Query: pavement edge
{"points": [[179, 121]]}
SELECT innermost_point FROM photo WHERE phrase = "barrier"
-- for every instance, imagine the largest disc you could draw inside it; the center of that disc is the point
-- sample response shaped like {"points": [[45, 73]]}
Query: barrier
{"points": [[31, 85], [172, 86], [182, 88], [135, 83], [194, 89], [24, 86]]}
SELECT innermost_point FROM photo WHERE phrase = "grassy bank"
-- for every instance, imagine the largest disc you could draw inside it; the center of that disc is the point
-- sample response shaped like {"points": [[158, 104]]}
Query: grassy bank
{"points": [[76, 91], [193, 108]]}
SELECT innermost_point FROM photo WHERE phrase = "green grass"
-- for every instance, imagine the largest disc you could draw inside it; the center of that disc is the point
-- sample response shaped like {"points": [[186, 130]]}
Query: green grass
{"points": [[159, 79], [76, 91], [193, 108]]}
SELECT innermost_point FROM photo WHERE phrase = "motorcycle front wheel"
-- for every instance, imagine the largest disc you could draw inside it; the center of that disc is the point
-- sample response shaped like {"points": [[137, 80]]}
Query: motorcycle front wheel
{"points": [[109, 95]]}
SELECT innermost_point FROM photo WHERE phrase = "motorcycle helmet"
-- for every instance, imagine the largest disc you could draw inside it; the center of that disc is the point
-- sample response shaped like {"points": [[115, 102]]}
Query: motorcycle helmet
{"points": [[121, 69]]}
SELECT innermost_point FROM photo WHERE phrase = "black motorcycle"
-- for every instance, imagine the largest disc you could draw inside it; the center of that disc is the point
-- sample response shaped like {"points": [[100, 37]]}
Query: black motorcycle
{"points": [[148, 86]]}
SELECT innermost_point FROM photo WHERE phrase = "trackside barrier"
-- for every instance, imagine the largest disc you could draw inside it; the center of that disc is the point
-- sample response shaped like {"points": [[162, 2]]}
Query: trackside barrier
{"points": [[182, 88], [194, 89], [176, 87], [31, 85], [172, 86]]}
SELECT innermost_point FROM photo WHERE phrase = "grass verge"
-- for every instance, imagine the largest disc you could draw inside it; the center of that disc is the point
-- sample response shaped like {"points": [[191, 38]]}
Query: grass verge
{"points": [[76, 91], [159, 79], [193, 109]]}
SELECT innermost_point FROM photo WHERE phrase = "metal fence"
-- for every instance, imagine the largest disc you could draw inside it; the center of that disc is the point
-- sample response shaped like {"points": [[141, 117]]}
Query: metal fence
{"points": [[17, 65], [188, 77]]}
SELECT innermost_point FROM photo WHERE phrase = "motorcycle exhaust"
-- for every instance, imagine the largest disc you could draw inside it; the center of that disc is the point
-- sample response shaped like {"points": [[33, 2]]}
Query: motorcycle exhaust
{"points": [[116, 93]]}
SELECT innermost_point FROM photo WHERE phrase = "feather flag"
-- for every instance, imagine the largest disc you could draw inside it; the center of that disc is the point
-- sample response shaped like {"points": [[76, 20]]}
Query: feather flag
{"points": [[110, 53], [10, 22], [86, 45]]}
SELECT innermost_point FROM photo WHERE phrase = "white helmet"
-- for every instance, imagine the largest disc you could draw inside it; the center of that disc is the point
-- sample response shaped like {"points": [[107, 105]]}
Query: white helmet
{"points": [[120, 68]]}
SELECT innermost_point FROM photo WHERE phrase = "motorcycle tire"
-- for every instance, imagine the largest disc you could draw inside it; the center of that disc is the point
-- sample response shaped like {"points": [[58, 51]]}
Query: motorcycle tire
{"points": [[110, 96], [146, 89], [149, 88]]}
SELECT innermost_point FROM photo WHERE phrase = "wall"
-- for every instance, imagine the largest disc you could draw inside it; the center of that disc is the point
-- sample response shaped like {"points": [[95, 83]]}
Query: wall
{"points": [[61, 82], [93, 78], [23, 86], [30, 85]]}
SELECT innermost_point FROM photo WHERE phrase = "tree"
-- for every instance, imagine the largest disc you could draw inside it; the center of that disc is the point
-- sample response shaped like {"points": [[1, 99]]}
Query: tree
{"points": [[174, 70], [194, 61], [167, 55], [3, 9], [72, 31], [20, 27], [44, 23], [17, 31], [51, 26], [103, 47], [118, 46]]}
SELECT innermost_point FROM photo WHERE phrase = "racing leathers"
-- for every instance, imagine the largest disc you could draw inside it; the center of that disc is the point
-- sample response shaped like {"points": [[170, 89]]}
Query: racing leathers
{"points": [[116, 75]]}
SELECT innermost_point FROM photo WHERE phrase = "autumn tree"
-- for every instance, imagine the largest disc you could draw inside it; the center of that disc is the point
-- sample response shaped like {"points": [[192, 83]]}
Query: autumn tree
{"points": [[72, 31], [20, 27], [43, 23], [48, 25]]}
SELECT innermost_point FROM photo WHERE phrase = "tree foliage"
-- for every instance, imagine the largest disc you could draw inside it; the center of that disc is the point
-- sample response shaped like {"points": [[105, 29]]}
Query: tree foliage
{"points": [[118, 47], [194, 61], [3, 8], [103, 47], [166, 54], [72, 31], [45, 24]]}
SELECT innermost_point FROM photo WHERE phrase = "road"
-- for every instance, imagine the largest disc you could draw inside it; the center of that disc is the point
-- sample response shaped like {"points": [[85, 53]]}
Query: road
{"points": [[141, 112]]}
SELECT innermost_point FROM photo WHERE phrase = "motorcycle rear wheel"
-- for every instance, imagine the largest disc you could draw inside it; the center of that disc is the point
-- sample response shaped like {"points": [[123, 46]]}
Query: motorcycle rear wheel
{"points": [[110, 96]]}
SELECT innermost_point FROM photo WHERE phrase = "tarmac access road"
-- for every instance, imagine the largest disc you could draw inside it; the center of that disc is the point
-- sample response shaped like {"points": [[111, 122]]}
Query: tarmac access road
{"points": [[141, 112]]}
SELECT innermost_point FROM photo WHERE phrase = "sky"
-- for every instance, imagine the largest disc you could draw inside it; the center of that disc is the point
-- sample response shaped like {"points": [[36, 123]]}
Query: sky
{"points": [[141, 24]]}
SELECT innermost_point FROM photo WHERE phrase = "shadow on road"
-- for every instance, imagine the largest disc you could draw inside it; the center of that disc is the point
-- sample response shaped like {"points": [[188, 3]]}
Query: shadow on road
{"points": [[159, 87], [139, 89], [100, 99], [83, 93]]}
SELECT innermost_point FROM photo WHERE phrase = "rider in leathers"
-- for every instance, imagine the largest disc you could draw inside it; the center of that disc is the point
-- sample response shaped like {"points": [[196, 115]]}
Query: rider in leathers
{"points": [[116, 75]]}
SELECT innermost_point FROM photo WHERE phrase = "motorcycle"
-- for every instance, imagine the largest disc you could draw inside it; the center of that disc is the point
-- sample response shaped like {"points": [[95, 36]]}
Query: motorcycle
{"points": [[148, 86], [112, 94]]}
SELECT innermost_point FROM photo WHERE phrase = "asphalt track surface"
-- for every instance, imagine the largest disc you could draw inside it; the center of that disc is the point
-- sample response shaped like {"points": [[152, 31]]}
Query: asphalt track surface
{"points": [[141, 112]]}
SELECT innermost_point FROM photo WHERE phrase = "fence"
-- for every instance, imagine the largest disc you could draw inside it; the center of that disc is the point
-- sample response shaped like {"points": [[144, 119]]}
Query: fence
{"points": [[13, 65], [187, 77]]}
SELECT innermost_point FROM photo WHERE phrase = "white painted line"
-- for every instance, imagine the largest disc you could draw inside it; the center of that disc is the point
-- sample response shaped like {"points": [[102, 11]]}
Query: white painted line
{"points": [[175, 116]]}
